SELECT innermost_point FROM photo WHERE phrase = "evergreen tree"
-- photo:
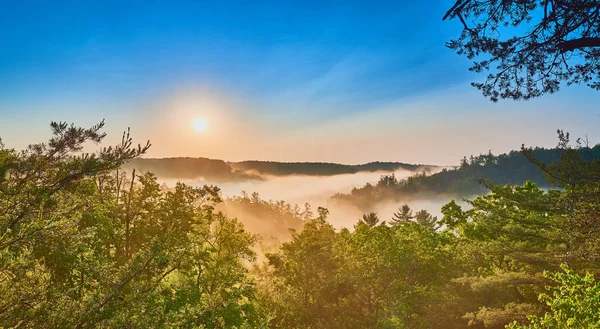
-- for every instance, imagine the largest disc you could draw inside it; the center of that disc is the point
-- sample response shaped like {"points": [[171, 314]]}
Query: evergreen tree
{"points": [[529, 47], [370, 219], [424, 218], [403, 215]]}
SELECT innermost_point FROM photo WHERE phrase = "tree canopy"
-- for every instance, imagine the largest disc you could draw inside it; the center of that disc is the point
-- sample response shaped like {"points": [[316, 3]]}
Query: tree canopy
{"points": [[85, 245], [471, 177], [529, 47], [574, 303], [82, 245]]}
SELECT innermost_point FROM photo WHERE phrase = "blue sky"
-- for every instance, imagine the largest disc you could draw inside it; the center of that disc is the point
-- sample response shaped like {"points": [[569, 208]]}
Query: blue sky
{"points": [[282, 73]]}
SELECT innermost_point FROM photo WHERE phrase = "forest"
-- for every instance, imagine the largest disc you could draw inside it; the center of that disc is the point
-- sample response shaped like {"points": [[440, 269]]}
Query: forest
{"points": [[85, 244], [94, 239], [221, 171], [472, 177]]}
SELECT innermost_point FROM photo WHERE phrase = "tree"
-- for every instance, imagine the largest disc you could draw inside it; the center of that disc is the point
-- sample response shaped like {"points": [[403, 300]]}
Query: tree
{"points": [[577, 165], [574, 303], [304, 284], [513, 234], [370, 219], [554, 41], [394, 277], [269, 219], [82, 247], [513, 168], [424, 218], [387, 181], [372, 277], [403, 215]]}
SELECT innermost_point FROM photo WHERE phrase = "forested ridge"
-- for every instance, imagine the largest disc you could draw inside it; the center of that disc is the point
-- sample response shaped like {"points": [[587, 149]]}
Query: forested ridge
{"points": [[467, 179], [84, 244], [189, 168], [222, 171], [323, 168]]}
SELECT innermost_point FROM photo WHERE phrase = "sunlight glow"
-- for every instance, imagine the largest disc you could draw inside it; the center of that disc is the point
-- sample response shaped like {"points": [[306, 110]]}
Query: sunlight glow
{"points": [[200, 124]]}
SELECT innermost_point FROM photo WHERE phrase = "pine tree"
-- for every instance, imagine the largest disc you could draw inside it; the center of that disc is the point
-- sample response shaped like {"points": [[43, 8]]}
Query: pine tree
{"points": [[404, 215], [424, 218], [370, 219]]}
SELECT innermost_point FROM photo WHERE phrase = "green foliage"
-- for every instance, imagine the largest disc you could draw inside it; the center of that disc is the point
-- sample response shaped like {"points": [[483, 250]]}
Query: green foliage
{"points": [[304, 274], [82, 246], [516, 233], [474, 174], [480, 267], [529, 46], [374, 277], [85, 245], [513, 235], [574, 303]]}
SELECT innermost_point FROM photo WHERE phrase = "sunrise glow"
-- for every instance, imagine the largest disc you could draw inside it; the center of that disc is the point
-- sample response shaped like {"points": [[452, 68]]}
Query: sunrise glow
{"points": [[200, 124]]}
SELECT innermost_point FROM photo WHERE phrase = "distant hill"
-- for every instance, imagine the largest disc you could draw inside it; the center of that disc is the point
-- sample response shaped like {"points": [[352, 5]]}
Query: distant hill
{"points": [[464, 180], [321, 168], [189, 168], [221, 171]]}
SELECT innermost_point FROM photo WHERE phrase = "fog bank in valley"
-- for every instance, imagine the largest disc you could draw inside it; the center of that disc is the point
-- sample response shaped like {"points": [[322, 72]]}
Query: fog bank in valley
{"points": [[317, 190]]}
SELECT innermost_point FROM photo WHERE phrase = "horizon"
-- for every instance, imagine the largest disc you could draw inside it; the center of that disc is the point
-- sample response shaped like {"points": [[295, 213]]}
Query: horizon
{"points": [[299, 162], [343, 163]]}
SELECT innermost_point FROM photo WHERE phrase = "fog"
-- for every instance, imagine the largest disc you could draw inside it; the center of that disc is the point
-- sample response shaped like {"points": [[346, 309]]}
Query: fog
{"points": [[316, 190]]}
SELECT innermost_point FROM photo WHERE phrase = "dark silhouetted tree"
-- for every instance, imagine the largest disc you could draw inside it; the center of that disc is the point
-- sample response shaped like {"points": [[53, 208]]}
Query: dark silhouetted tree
{"points": [[323, 213], [387, 181], [403, 215], [370, 219], [424, 218], [529, 46]]}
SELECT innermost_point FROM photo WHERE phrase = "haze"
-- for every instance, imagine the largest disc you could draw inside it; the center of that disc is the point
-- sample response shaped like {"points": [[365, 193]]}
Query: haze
{"points": [[316, 190]]}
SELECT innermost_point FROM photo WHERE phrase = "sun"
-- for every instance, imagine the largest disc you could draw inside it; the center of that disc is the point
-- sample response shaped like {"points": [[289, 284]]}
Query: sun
{"points": [[200, 124]]}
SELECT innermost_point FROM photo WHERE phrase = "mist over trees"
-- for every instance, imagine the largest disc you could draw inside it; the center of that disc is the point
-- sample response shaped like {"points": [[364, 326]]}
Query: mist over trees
{"points": [[221, 171], [267, 218], [323, 168], [88, 241], [471, 178], [86, 245], [82, 245]]}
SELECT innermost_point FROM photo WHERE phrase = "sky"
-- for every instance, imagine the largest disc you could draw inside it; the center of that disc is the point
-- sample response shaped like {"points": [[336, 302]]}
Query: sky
{"points": [[334, 81]]}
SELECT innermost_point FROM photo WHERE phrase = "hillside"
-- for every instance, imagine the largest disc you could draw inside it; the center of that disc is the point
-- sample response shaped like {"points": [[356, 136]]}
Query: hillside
{"points": [[464, 180], [321, 168], [221, 171], [189, 168]]}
